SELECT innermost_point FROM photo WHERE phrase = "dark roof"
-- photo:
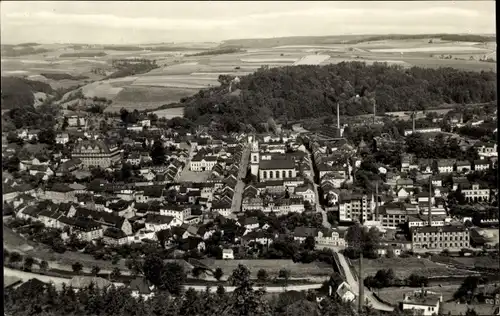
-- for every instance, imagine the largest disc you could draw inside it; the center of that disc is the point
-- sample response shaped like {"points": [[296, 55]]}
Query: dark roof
{"points": [[102, 217], [141, 285], [435, 229], [276, 164], [305, 231], [114, 233], [158, 219]]}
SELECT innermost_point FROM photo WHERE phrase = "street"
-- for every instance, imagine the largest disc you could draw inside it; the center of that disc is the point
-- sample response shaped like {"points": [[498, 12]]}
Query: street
{"points": [[240, 186], [319, 209], [353, 283]]}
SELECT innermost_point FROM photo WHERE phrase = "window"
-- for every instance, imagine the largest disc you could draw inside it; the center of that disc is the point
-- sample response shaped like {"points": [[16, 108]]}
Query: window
{"points": [[264, 174], [290, 173], [283, 174], [271, 174]]}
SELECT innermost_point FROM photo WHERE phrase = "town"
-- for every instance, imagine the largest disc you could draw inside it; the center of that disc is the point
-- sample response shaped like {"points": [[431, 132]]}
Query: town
{"points": [[135, 186]]}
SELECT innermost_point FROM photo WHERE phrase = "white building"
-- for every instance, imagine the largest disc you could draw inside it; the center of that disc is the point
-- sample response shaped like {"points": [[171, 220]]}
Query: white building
{"points": [[476, 194], [423, 130], [422, 304], [199, 163], [227, 254]]}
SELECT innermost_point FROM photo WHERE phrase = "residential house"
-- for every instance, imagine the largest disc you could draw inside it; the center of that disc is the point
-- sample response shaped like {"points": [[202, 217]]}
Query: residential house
{"points": [[181, 212], [421, 303], [476, 194], [141, 287], [481, 165], [105, 219], [60, 193], [115, 237], [307, 193], [486, 150], [330, 237], [85, 228], [340, 288], [227, 254], [249, 223], [445, 165], [463, 166], [202, 163], [62, 138], [156, 222], [301, 233]]}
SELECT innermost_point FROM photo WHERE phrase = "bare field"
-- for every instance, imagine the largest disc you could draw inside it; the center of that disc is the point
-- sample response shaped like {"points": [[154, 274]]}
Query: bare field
{"points": [[169, 113], [192, 176]]}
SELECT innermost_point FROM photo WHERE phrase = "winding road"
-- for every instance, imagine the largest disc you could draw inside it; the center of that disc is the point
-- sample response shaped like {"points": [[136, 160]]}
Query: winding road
{"points": [[353, 283]]}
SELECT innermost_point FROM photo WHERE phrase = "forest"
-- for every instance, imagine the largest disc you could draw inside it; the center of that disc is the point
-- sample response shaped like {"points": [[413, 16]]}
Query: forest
{"points": [[298, 92], [18, 92], [218, 52], [131, 67], [83, 54]]}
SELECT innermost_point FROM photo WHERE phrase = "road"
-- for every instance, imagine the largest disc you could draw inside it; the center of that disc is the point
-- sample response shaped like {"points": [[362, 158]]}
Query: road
{"points": [[353, 283], [240, 186], [319, 209], [58, 282]]}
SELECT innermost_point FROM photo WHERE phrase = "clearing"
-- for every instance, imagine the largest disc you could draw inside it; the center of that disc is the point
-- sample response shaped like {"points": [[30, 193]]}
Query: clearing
{"points": [[170, 113]]}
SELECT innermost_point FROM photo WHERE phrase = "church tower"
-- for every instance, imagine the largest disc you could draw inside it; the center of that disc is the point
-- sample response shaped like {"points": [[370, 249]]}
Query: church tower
{"points": [[254, 158]]}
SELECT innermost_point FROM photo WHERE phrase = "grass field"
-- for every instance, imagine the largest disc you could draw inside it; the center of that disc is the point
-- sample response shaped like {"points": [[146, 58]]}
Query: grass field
{"points": [[297, 270], [403, 267]]}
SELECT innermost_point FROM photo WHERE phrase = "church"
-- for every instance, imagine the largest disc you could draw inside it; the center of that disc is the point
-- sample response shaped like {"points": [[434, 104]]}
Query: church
{"points": [[272, 168]]}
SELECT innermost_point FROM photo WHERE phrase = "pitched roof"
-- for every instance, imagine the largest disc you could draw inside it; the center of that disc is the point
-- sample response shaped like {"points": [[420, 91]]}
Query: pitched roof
{"points": [[276, 164]]}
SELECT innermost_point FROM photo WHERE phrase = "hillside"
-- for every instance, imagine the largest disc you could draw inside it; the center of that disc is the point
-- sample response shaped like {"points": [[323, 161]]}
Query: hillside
{"points": [[299, 92], [347, 39], [20, 92]]}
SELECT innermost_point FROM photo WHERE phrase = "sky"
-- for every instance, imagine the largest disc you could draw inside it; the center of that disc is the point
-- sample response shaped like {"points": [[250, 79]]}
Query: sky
{"points": [[123, 22]]}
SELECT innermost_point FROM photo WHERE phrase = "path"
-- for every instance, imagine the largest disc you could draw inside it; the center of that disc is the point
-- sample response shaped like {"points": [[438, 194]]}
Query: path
{"points": [[353, 283]]}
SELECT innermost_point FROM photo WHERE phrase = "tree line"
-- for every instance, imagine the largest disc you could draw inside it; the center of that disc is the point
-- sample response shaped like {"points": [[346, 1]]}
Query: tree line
{"points": [[41, 299], [298, 92]]}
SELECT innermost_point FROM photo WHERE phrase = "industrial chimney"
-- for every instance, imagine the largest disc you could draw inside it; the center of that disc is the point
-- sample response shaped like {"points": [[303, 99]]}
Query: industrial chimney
{"points": [[413, 121], [430, 202], [376, 201], [338, 120], [374, 111]]}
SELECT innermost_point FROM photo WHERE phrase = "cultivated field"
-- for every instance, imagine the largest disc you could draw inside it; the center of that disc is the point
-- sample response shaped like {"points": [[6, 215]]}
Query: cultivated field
{"points": [[180, 75]]}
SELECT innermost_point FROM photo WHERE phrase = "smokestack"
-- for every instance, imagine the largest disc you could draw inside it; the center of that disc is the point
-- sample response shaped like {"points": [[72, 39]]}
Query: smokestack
{"points": [[360, 283], [374, 110], [338, 119], [413, 121], [376, 201], [430, 202]]}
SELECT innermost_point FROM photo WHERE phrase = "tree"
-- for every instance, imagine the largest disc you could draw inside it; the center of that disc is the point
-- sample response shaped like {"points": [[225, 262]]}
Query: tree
{"points": [[262, 276], [28, 263], [196, 272], [15, 257], [163, 236], [47, 136], [218, 273], [44, 265], [309, 243], [245, 300], [115, 274], [77, 267], [95, 270], [285, 275], [166, 277], [158, 153]]}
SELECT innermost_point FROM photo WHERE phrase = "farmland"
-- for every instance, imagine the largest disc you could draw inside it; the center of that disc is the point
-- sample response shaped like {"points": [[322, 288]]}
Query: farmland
{"points": [[181, 74]]}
